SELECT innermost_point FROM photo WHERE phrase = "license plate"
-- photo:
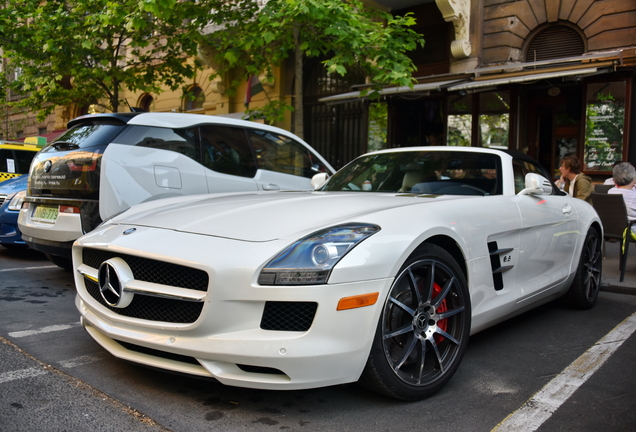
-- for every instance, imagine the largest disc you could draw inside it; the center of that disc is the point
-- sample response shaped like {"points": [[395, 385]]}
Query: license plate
{"points": [[46, 214]]}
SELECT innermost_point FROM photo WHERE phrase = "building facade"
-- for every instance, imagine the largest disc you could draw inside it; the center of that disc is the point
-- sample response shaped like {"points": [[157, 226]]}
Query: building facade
{"points": [[549, 79]]}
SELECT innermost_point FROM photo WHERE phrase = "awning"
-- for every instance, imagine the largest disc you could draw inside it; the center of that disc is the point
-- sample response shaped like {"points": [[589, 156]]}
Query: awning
{"points": [[437, 85], [523, 78], [482, 82]]}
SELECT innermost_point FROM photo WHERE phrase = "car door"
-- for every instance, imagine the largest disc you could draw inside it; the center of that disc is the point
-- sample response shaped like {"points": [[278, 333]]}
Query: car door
{"points": [[550, 227], [226, 152], [283, 164]]}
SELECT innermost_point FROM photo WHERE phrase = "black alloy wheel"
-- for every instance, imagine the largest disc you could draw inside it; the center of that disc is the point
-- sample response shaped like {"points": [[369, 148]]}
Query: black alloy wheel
{"points": [[584, 290], [423, 330]]}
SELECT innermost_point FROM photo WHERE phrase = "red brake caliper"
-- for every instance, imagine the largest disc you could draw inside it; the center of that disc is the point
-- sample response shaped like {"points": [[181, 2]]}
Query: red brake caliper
{"points": [[442, 324]]}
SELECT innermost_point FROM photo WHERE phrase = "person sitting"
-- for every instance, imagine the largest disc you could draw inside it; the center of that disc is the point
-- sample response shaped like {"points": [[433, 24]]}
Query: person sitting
{"points": [[624, 175], [572, 181], [610, 181]]}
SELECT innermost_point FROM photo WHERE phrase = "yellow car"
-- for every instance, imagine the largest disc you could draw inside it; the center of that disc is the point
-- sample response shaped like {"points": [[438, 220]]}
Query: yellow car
{"points": [[15, 158]]}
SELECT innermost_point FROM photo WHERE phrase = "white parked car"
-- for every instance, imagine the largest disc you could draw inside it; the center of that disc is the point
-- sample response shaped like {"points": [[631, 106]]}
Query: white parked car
{"points": [[380, 276], [106, 163]]}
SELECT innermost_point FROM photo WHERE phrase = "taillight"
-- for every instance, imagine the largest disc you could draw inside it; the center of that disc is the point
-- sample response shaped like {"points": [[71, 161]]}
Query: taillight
{"points": [[82, 167], [69, 209]]}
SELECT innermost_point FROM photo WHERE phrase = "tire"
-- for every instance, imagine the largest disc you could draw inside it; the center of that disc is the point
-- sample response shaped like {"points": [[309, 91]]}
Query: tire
{"points": [[584, 290], [59, 261], [423, 329]]}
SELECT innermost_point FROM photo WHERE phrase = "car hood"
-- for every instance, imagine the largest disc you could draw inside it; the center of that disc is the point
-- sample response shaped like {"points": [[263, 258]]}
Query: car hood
{"points": [[264, 216], [14, 185]]}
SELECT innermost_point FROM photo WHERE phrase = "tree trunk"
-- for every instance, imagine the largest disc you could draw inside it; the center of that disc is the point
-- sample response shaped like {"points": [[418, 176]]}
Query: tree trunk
{"points": [[114, 101], [298, 86]]}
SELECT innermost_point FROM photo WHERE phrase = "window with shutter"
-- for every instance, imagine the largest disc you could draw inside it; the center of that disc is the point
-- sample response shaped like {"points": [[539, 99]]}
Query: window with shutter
{"points": [[555, 42]]}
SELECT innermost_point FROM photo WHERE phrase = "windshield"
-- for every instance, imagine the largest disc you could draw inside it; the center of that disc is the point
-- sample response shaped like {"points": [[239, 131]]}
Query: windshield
{"points": [[421, 172], [86, 135]]}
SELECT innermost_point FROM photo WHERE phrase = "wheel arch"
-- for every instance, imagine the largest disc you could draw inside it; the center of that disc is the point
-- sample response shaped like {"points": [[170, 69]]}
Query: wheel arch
{"points": [[449, 245], [594, 225]]}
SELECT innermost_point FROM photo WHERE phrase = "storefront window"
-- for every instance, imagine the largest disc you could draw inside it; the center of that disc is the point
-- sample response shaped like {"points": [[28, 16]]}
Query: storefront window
{"points": [[604, 125], [460, 120], [494, 119]]}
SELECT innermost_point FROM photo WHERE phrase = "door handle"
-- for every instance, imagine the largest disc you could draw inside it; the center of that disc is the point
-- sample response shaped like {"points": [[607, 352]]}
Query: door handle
{"points": [[271, 187], [567, 210]]}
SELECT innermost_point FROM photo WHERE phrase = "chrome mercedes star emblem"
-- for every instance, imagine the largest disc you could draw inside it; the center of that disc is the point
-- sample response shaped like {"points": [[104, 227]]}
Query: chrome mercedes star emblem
{"points": [[109, 284], [47, 166]]}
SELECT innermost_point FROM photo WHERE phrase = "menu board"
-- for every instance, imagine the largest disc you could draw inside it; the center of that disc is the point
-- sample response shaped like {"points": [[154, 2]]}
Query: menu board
{"points": [[604, 125]]}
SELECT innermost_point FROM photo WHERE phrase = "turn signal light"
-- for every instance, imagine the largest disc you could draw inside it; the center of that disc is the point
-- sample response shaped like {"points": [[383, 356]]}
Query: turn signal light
{"points": [[357, 301]]}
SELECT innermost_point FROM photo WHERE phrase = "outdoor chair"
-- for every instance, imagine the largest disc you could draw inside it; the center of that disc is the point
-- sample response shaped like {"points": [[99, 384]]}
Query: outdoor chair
{"points": [[602, 188], [613, 213]]}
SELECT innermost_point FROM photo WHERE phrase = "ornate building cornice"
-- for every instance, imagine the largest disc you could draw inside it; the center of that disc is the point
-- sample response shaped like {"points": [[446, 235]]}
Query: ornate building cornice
{"points": [[458, 12]]}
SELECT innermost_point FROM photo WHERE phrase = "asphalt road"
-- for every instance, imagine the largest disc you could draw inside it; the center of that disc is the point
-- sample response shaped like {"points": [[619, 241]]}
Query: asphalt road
{"points": [[547, 370]]}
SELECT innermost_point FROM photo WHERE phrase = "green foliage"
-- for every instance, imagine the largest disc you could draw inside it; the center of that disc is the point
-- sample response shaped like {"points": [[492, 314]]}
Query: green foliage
{"points": [[347, 34], [86, 51], [272, 112], [8, 128]]}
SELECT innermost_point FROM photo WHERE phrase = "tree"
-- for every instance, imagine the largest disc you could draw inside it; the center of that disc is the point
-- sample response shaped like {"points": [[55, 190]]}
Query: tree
{"points": [[8, 127], [87, 51], [346, 33]]}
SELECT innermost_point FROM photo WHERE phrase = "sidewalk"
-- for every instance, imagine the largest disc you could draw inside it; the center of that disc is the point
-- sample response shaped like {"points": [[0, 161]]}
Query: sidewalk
{"points": [[611, 273]]}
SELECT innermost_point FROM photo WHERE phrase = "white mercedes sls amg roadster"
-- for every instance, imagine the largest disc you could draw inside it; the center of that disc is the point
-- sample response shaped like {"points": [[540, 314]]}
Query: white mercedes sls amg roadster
{"points": [[378, 276]]}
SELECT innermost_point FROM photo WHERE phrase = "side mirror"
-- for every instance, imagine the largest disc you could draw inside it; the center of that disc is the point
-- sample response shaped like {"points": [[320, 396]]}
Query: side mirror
{"points": [[318, 180], [536, 185]]}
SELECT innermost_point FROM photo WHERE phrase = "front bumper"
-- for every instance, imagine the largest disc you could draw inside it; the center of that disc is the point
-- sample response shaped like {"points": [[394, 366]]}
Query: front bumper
{"points": [[333, 351], [228, 340], [9, 232]]}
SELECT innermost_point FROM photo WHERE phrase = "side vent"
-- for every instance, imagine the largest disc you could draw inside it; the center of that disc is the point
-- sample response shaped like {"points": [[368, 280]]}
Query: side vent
{"points": [[495, 264]]}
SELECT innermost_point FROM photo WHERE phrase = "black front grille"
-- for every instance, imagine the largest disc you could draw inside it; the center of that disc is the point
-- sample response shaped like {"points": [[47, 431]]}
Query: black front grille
{"points": [[288, 316], [149, 270], [157, 353], [151, 308]]}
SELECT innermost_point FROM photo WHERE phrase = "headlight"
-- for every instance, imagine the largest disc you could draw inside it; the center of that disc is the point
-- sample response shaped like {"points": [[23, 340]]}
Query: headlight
{"points": [[310, 260], [16, 201]]}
